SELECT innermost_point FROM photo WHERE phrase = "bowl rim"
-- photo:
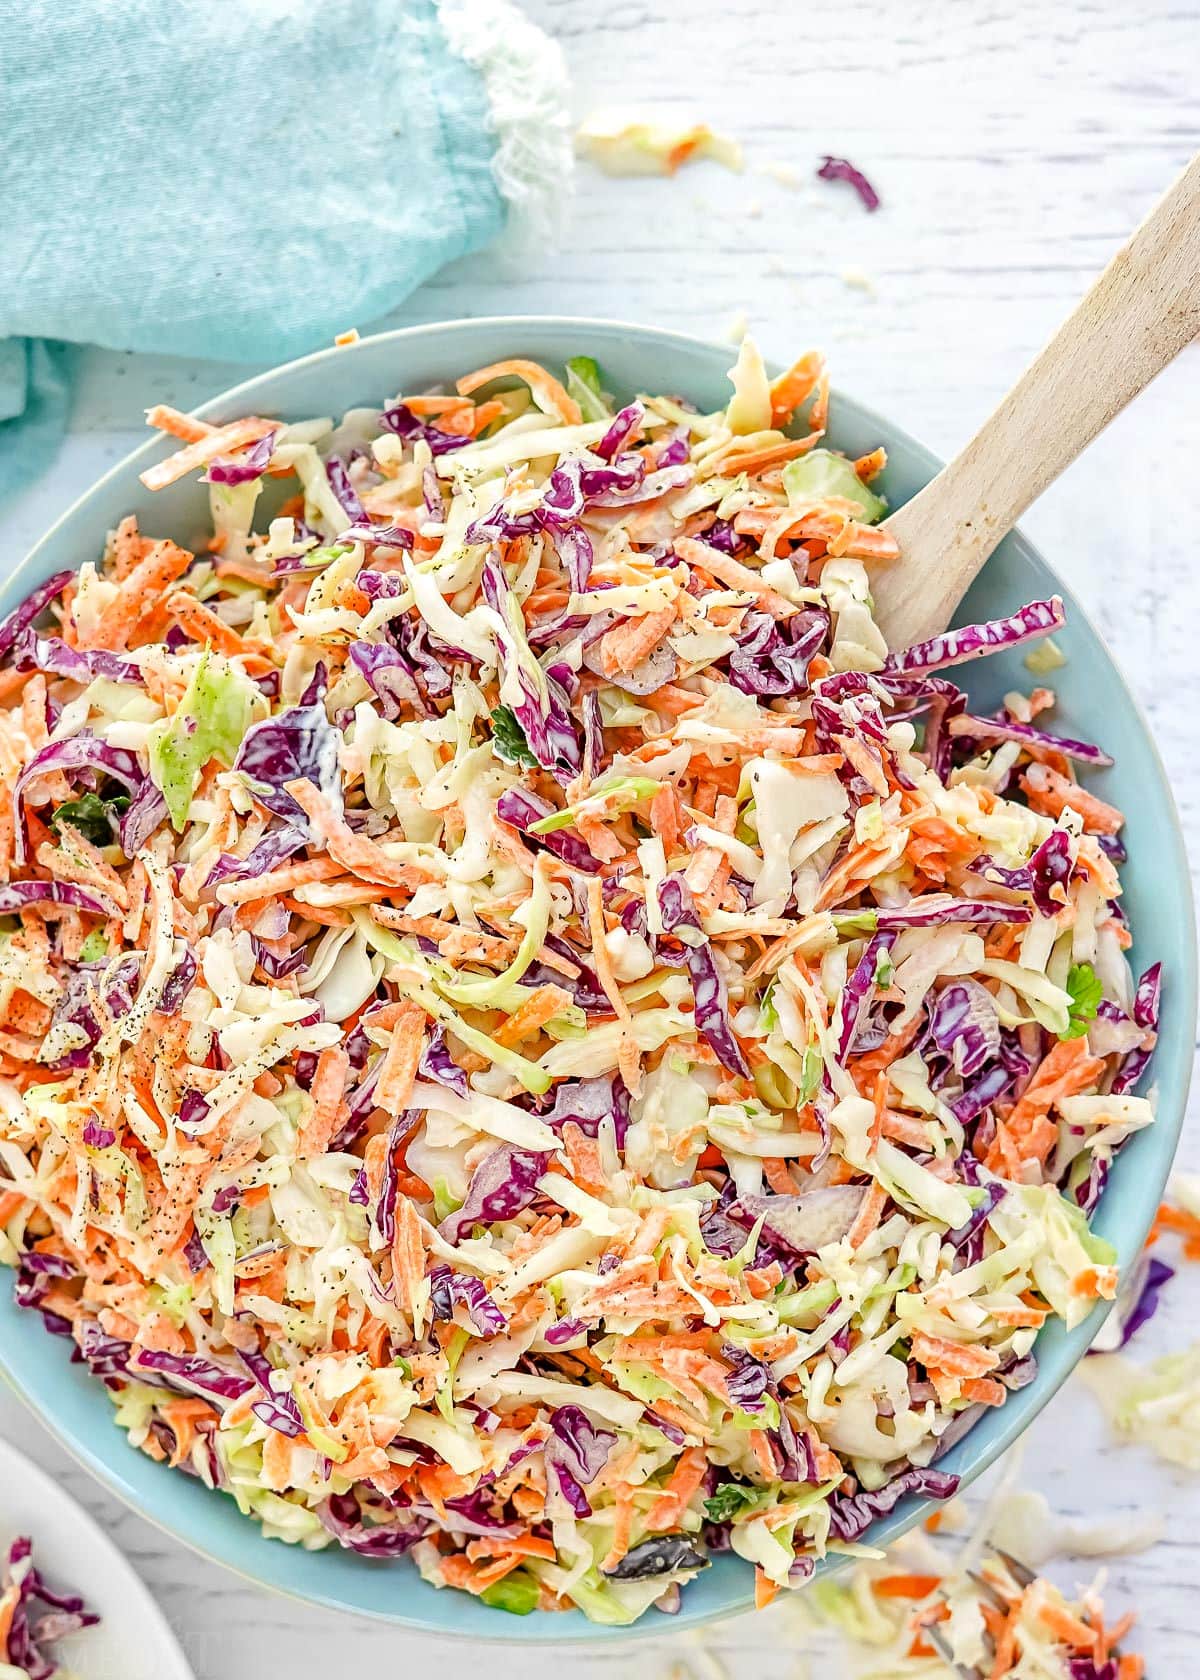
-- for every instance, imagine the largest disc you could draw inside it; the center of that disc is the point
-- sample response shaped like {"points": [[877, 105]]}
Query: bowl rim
{"points": [[1068, 1348]]}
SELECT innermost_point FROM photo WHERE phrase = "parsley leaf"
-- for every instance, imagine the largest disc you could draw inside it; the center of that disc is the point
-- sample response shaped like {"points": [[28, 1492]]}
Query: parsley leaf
{"points": [[93, 817], [730, 1498], [1084, 985], [508, 739]]}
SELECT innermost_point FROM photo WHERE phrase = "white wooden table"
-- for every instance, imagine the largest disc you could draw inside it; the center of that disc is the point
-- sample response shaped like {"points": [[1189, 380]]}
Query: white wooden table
{"points": [[1014, 147]]}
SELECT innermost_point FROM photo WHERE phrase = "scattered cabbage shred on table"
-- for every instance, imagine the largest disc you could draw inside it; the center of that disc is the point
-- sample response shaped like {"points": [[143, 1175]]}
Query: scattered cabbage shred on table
{"points": [[530, 1040], [943, 1609]]}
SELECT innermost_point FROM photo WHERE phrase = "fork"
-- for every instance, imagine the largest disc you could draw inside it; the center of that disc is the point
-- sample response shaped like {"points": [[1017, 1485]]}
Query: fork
{"points": [[1021, 1574]]}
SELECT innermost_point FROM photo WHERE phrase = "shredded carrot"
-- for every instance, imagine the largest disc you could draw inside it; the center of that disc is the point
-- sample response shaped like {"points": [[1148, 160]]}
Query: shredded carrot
{"points": [[1050, 792], [400, 1062], [868, 1216], [958, 1359], [623, 648], [221, 440], [148, 580], [549, 394], [690, 1469], [906, 1586], [329, 1082], [794, 387], [765, 1590]]}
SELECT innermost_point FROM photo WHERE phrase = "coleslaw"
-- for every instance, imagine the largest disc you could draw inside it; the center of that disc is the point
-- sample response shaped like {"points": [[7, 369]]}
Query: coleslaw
{"points": [[531, 1041], [933, 1611], [34, 1615]]}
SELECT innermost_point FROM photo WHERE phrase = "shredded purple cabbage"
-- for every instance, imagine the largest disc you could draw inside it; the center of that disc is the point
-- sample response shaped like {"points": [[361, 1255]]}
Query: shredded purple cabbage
{"points": [[450, 1289], [851, 1515], [678, 911], [1038, 618], [502, 1185], [521, 809], [34, 604], [248, 464], [841, 169]]}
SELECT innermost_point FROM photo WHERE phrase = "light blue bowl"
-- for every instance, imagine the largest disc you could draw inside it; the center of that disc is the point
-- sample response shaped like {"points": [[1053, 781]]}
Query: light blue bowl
{"points": [[1094, 703]]}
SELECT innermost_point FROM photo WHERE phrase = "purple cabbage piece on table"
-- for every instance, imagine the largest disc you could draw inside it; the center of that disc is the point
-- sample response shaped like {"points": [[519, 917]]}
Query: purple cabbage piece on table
{"points": [[1138, 1300], [1083, 1668], [712, 1004], [841, 169]]}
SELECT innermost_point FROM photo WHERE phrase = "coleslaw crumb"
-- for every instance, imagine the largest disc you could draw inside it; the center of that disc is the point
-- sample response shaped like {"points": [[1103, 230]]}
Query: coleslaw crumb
{"points": [[629, 143]]}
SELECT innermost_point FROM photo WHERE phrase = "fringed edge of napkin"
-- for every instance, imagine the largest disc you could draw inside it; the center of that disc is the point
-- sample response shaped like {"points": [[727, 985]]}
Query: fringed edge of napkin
{"points": [[525, 78]]}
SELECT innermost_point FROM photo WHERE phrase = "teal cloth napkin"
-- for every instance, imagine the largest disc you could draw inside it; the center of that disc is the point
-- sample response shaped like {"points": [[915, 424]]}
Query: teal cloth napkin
{"points": [[246, 178]]}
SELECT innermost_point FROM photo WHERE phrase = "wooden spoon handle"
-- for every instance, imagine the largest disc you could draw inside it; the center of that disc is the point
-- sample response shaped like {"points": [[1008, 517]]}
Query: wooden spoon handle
{"points": [[1139, 314]]}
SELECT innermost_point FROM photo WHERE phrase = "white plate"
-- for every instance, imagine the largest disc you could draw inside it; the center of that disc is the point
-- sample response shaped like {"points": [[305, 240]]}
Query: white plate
{"points": [[133, 1639]]}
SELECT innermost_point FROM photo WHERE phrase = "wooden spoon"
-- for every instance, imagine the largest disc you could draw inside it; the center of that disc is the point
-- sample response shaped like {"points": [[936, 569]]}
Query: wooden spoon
{"points": [[1137, 317]]}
